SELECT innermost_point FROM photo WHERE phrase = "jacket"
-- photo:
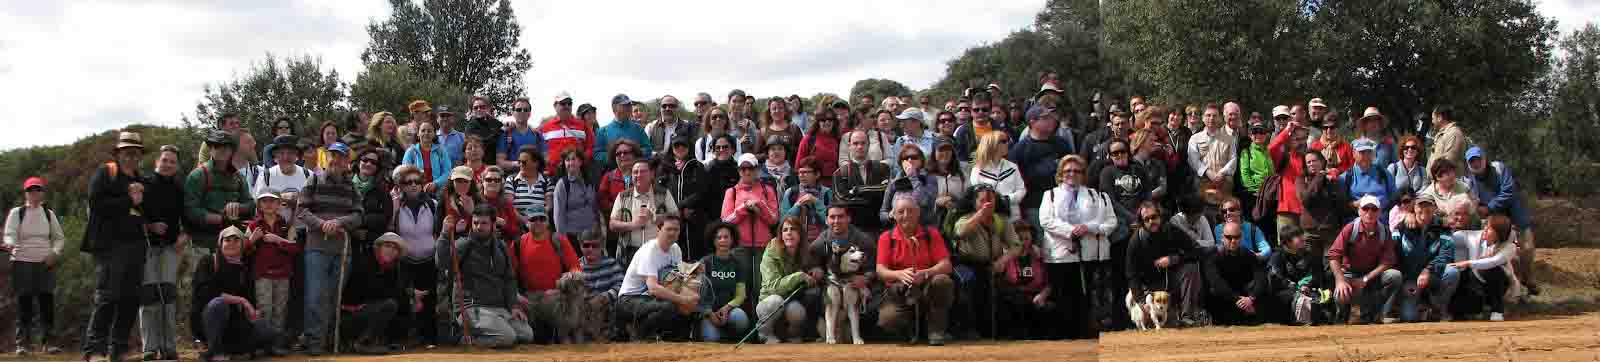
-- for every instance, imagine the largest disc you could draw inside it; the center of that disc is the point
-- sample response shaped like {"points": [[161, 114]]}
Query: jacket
{"points": [[1253, 241], [1006, 179], [821, 249], [824, 148], [1037, 161], [488, 278], [1062, 210], [817, 213], [1324, 200], [1289, 200], [923, 187], [1146, 247], [657, 134], [207, 190], [163, 203], [36, 238], [1290, 270], [438, 163], [754, 228], [329, 198], [620, 129], [369, 282], [689, 185], [1495, 188], [782, 273], [1234, 274], [561, 134], [576, 207], [273, 260], [377, 212], [212, 277], [112, 221], [1426, 248]]}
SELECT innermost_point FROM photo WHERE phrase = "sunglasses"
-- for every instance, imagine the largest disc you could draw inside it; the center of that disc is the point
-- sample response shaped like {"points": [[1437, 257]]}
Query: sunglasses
{"points": [[1410, 148], [629, 153], [1072, 171], [591, 245], [412, 182], [521, 109], [720, 117], [980, 109], [1232, 237], [485, 106], [721, 147], [370, 160], [1231, 210], [1119, 152], [668, 106], [1258, 131], [564, 103]]}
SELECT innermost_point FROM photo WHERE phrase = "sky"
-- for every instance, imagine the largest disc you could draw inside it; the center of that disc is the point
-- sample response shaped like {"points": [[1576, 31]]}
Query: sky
{"points": [[73, 68]]}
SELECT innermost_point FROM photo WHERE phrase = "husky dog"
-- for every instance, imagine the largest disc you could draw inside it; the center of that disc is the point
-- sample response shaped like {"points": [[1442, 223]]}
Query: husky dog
{"points": [[1152, 311], [844, 263]]}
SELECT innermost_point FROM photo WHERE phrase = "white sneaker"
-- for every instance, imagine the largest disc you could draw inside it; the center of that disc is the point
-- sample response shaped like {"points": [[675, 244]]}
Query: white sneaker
{"points": [[1497, 317]]}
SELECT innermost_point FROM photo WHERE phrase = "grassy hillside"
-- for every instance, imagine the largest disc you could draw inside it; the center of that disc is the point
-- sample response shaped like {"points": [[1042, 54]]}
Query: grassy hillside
{"points": [[67, 167]]}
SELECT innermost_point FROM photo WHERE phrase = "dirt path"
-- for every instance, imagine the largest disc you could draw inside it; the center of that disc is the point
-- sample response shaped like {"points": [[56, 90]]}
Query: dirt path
{"points": [[1571, 338]]}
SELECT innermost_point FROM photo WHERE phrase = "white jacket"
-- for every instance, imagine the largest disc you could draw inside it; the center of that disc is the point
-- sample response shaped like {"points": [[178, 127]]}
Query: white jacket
{"points": [[1006, 179], [1092, 208]]}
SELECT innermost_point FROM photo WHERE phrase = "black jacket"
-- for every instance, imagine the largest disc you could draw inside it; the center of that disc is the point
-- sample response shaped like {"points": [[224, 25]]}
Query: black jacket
{"points": [[369, 283], [213, 277], [1285, 269], [112, 220], [377, 210], [1145, 247], [1233, 275], [689, 186], [163, 203]]}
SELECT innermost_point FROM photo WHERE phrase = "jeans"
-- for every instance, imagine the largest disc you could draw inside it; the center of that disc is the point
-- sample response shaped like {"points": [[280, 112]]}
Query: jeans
{"points": [[492, 327], [322, 273], [1371, 297], [116, 299], [737, 322], [228, 333], [158, 311], [1438, 294], [793, 320]]}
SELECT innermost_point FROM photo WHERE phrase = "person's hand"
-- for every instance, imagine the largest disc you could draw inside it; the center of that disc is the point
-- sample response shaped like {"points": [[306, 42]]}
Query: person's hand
{"points": [[945, 200], [1333, 174], [231, 210], [1248, 305], [810, 280], [50, 260], [751, 205], [6, 248], [805, 199], [255, 314], [1040, 299], [518, 315], [159, 228], [428, 187], [550, 294], [815, 273], [183, 240], [859, 282], [257, 234], [467, 203], [1423, 280], [1164, 262], [1080, 230], [1415, 219], [330, 227], [498, 222], [522, 300], [1342, 290], [1358, 283], [645, 217], [1216, 178]]}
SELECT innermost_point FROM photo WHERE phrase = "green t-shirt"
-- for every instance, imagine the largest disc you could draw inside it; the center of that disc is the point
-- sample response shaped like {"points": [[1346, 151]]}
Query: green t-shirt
{"points": [[725, 275]]}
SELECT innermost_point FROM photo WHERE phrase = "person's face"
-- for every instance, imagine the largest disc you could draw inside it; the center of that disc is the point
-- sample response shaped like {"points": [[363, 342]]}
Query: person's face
{"points": [[719, 120], [637, 113], [491, 183], [858, 145], [1232, 211], [341, 162], [1364, 158], [944, 154], [1231, 235], [1151, 218], [411, 185], [593, 249], [668, 232], [219, 153], [1119, 153], [1120, 124], [643, 175], [1477, 165], [425, 133], [284, 157], [1438, 121], [1281, 121], [838, 220], [230, 124], [912, 162], [473, 151], [232, 246], [574, 165], [369, 164], [1427, 209], [776, 154], [268, 205], [1072, 174], [539, 226], [808, 176], [482, 107], [669, 109], [1210, 119], [981, 110], [747, 174], [1233, 118], [701, 105], [1318, 112], [1460, 218], [792, 103], [389, 124], [1297, 113], [482, 226], [1369, 214], [924, 101], [947, 124], [522, 110], [167, 164], [447, 121], [462, 186], [724, 149], [283, 129], [1314, 164], [825, 123], [912, 126], [1445, 180], [999, 115], [986, 197], [791, 235], [387, 253], [841, 111], [724, 239], [626, 155], [885, 122], [776, 109], [563, 108], [1259, 137], [329, 135], [680, 152], [1174, 120], [1411, 150], [906, 214]]}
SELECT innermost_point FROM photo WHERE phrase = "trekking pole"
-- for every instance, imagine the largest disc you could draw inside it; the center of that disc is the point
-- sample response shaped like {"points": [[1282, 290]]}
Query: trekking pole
{"points": [[338, 299], [767, 318], [993, 327]]}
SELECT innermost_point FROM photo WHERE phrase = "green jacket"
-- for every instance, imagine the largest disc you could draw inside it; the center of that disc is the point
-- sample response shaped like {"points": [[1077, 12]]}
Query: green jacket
{"points": [[205, 194], [780, 274]]}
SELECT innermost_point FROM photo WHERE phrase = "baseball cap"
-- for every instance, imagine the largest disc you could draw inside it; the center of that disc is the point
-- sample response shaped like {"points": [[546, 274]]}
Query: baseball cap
{"points": [[1425, 198], [1364, 145], [1280, 111], [1317, 102], [841, 103], [910, 114], [1474, 152], [390, 238], [1049, 87], [339, 147], [1039, 111], [620, 99], [1368, 200], [562, 96], [230, 232], [748, 160], [268, 194], [461, 173], [33, 182], [444, 110]]}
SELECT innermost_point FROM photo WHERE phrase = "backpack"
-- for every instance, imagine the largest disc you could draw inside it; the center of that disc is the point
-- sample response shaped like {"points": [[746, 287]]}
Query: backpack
{"points": [[49, 215], [1271, 190]]}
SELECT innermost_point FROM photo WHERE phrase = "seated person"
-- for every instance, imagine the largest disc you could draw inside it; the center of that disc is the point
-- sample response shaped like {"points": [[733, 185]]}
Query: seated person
{"points": [[1362, 260], [601, 273], [373, 293], [644, 303], [722, 311], [1161, 255], [1027, 311], [542, 259], [1237, 285], [223, 315], [1424, 250], [1298, 279], [915, 268], [481, 265], [1488, 255], [984, 239], [783, 276]]}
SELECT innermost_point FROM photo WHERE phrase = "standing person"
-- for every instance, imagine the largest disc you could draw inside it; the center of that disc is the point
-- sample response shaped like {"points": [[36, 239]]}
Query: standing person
{"points": [[458, 200], [1449, 140], [775, 169], [615, 181], [158, 313], [542, 259], [215, 197], [1256, 166], [408, 131], [1409, 172], [1424, 251], [991, 167], [1362, 259], [481, 123], [776, 127], [1365, 178], [750, 205], [623, 126], [1288, 149], [483, 284], [643, 302], [518, 134], [985, 242], [372, 295], [35, 246], [821, 143], [272, 264], [742, 123], [921, 187], [284, 176], [1326, 204], [878, 140], [563, 132], [453, 141], [946, 168], [245, 144], [635, 209], [911, 123], [417, 219], [384, 132], [528, 187], [1374, 126], [1237, 293], [1159, 256], [717, 125], [116, 237], [1449, 190], [491, 183], [1036, 156], [685, 178], [330, 211], [783, 273], [663, 130], [373, 191], [809, 199], [429, 158], [1126, 182], [723, 169], [1212, 157], [1489, 255], [222, 313], [282, 126], [1338, 152], [574, 203], [859, 183], [327, 135], [1076, 222], [915, 267]]}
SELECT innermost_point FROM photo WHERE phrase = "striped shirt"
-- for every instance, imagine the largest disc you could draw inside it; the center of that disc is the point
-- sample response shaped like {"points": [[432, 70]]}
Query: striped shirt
{"points": [[527, 196], [603, 276]]}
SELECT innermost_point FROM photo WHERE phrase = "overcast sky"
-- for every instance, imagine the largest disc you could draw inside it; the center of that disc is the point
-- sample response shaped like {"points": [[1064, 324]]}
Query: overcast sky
{"points": [[73, 68]]}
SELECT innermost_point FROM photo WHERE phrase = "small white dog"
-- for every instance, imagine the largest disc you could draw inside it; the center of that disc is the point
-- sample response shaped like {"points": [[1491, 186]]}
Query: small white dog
{"points": [[844, 265], [1152, 311]]}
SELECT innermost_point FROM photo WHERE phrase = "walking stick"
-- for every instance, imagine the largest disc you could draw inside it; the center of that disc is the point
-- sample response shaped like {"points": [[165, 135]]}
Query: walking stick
{"points": [[455, 292], [767, 318], [338, 299]]}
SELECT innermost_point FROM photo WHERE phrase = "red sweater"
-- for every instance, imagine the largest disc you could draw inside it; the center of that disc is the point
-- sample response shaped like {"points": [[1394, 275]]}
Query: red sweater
{"points": [[611, 184], [274, 260], [896, 251], [537, 265], [823, 147]]}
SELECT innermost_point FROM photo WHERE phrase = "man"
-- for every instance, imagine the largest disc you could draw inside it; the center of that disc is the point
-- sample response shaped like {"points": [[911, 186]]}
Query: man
{"points": [[158, 311], [844, 235], [1160, 255], [978, 125], [480, 267], [481, 122], [214, 197], [419, 111], [893, 104], [1364, 178], [452, 140], [621, 127], [1496, 189], [928, 112], [329, 210], [372, 294], [644, 302], [1233, 117], [518, 134], [1238, 286], [246, 144], [879, 142], [1424, 250], [1211, 156], [542, 260], [864, 105], [635, 209], [1095, 143], [703, 104], [1037, 155], [859, 184], [1318, 111], [669, 127], [1297, 278], [915, 267], [911, 123], [115, 237], [1362, 259], [565, 131], [285, 176]]}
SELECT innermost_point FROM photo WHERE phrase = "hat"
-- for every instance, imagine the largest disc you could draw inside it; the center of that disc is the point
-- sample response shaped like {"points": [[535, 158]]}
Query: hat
{"points": [[1371, 112], [1425, 198], [994, 85], [220, 137], [679, 140], [840, 103], [750, 159], [32, 182], [340, 148], [1048, 87], [910, 114], [736, 92], [1474, 152], [445, 110], [461, 173], [130, 139], [267, 194], [538, 214], [1116, 110], [621, 99], [585, 108], [1258, 126], [404, 169], [1317, 102], [563, 96], [1039, 111], [1364, 145], [1281, 111], [286, 141], [230, 232], [419, 106], [1368, 200], [390, 238]]}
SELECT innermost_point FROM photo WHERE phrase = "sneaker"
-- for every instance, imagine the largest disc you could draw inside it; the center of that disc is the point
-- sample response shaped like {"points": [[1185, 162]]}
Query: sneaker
{"points": [[1497, 317], [48, 349], [22, 351], [935, 339]]}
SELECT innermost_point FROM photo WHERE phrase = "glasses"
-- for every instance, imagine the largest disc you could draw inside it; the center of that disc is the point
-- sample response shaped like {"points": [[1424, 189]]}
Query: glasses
{"points": [[485, 106], [412, 182], [35, 189], [1151, 219], [721, 147], [980, 109], [1258, 131], [670, 106], [723, 117], [1232, 237], [1072, 171], [913, 157], [591, 245], [1231, 210], [1119, 152], [697, 104], [521, 109], [370, 160], [1410, 148], [628, 153]]}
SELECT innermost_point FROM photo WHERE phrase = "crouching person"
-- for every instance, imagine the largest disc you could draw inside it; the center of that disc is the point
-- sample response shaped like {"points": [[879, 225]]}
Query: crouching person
{"points": [[223, 314], [783, 276], [722, 311], [483, 286], [646, 307], [545, 264], [1297, 279], [1025, 292], [1362, 260], [602, 276], [1424, 250], [915, 266], [1488, 254], [1237, 285], [372, 295]]}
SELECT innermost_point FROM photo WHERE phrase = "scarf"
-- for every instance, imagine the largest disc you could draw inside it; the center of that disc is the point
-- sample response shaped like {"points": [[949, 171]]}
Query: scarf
{"points": [[362, 186], [235, 260]]}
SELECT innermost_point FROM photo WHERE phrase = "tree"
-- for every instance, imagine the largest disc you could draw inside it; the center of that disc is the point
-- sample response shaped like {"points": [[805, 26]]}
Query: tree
{"points": [[1246, 51], [1567, 150], [296, 88], [389, 87], [878, 88], [470, 44]]}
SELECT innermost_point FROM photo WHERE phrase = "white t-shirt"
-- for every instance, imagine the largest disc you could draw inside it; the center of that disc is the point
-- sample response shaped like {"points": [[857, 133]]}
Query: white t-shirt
{"points": [[274, 179], [647, 262]]}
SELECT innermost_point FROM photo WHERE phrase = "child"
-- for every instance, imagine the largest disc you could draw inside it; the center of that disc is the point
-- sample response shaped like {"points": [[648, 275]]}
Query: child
{"points": [[274, 263]]}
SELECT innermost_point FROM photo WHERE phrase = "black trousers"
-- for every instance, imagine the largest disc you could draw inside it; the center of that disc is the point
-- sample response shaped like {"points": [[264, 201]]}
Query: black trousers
{"points": [[372, 320], [1067, 287], [651, 315], [118, 274], [973, 301], [424, 277], [1478, 296]]}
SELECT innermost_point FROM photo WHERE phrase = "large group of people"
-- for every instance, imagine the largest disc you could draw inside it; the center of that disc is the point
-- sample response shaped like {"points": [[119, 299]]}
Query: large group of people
{"points": [[993, 217]]}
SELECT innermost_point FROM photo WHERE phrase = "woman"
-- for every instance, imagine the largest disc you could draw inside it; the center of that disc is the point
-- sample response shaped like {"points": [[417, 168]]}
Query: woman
{"points": [[385, 131], [781, 270], [808, 199], [722, 309], [743, 127], [912, 180], [946, 169], [723, 171], [223, 314], [685, 178], [984, 243], [947, 124], [775, 169], [625, 152], [372, 183], [1146, 144], [458, 201], [1409, 172], [528, 187], [1326, 204], [1076, 221], [472, 155], [990, 166], [429, 158], [280, 127], [417, 220], [492, 183], [327, 134], [821, 142], [574, 205], [717, 125], [1191, 219], [587, 113], [777, 128], [1449, 190], [1489, 257], [34, 239], [750, 205], [1025, 291]]}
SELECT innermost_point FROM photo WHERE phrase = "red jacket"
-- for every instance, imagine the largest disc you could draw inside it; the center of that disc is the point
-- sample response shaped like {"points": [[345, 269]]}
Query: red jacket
{"points": [[538, 266], [823, 147], [1346, 156], [1288, 200], [274, 260], [611, 184], [562, 134]]}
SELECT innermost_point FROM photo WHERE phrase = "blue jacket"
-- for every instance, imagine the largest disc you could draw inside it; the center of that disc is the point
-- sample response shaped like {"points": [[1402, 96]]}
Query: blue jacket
{"points": [[1037, 160], [440, 167], [1422, 248], [1496, 188], [616, 130], [818, 213], [1254, 241], [453, 142], [1373, 181]]}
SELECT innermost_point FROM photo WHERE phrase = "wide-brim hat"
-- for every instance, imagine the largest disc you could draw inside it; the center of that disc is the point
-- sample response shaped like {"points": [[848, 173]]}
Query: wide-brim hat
{"points": [[390, 238], [1371, 113], [130, 140]]}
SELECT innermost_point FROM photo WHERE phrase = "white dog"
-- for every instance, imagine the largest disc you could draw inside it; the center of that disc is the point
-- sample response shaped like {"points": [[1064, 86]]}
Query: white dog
{"points": [[1152, 311], [844, 265]]}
